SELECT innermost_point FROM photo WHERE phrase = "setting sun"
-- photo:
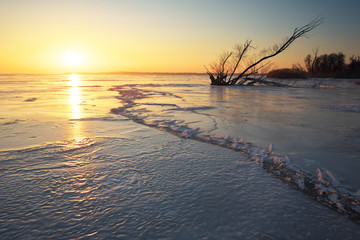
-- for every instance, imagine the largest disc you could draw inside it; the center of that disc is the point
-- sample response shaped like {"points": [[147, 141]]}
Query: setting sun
{"points": [[74, 58]]}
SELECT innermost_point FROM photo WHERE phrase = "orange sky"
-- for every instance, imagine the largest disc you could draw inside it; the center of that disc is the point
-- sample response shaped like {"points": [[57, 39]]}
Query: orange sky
{"points": [[38, 36]]}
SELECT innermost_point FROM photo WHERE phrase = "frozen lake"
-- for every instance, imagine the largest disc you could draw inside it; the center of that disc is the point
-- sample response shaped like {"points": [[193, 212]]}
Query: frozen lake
{"points": [[152, 156]]}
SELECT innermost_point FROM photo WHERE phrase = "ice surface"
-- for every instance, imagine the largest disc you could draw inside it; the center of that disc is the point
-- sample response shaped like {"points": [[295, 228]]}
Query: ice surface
{"points": [[99, 163], [327, 191], [321, 83], [153, 187], [345, 108]]}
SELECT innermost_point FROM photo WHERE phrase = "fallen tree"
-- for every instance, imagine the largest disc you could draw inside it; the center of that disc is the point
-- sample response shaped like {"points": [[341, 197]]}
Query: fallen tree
{"points": [[230, 69]]}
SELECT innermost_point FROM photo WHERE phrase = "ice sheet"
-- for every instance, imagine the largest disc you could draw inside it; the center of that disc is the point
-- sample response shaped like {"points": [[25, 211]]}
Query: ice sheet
{"points": [[309, 138], [174, 118], [152, 186]]}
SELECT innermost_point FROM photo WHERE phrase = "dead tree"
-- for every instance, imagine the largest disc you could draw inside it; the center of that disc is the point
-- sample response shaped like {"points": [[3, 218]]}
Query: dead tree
{"points": [[310, 62], [230, 69]]}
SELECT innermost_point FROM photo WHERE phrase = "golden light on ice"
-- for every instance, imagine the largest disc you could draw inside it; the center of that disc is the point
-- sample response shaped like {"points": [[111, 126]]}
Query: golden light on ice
{"points": [[74, 80], [75, 103], [74, 58], [75, 95]]}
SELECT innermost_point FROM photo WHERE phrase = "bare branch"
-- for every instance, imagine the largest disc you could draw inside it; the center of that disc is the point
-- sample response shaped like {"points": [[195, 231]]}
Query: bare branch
{"points": [[241, 52], [224, 61], [222, 68], [298, 32]]}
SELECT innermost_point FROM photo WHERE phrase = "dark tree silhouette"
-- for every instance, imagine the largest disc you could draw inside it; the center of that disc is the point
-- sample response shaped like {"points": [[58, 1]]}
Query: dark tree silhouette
{"points": [[354, 67], [332, 65], [230, 70], [310, 61]]}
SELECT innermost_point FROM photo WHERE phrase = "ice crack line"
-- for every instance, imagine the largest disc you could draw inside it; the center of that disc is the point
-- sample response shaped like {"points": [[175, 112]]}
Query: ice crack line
{"points": [[128, 94], [321, 186]]}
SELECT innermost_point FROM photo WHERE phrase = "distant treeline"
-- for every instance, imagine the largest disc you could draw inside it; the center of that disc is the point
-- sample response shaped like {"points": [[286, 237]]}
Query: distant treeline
{"points": [[327, 65]]}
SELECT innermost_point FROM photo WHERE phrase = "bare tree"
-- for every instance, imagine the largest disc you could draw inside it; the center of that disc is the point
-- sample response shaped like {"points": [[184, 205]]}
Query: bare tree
{"points": [[230, 68], [310, 62]]}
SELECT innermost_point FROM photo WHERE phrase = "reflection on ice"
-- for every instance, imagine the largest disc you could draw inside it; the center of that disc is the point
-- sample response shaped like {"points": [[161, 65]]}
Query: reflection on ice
{"points": [[74, 80], [75, 101]]}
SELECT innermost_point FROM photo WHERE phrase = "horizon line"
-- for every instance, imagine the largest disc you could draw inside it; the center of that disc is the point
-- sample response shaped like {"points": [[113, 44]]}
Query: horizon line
{"points": [[112, 73]]}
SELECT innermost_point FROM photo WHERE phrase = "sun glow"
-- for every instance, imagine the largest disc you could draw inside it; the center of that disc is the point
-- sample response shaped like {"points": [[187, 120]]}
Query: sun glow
{"points": [[74, 58]]}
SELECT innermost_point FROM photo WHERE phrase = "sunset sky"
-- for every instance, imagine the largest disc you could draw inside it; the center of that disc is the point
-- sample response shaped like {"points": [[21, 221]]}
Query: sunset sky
{"points": [[58, 36]]}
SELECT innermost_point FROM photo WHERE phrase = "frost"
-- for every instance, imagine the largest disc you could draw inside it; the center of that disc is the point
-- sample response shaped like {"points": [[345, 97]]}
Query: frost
{"points": [[322, 184]]}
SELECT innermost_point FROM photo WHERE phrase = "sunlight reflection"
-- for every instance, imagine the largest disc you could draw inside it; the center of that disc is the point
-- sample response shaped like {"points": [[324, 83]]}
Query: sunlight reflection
{"points": [[77, 131], [74, 80], [75, 101]]}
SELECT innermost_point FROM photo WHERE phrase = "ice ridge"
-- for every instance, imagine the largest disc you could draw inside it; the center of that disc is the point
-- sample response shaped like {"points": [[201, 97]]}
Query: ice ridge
{"points": [[322, 186]]}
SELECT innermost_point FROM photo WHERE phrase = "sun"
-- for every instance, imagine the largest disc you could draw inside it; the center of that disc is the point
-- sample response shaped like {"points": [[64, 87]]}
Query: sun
{"points": [[74, 58]]}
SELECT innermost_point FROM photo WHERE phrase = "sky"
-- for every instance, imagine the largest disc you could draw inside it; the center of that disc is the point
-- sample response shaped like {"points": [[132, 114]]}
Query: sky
{"points": [[62, 36]]}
